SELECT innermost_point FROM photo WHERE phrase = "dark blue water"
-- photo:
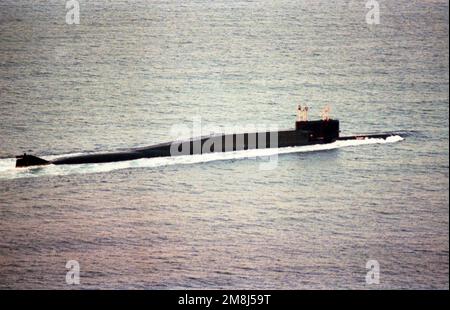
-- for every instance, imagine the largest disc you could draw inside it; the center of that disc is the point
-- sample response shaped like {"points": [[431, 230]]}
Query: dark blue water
{"points": [[130, 71]]}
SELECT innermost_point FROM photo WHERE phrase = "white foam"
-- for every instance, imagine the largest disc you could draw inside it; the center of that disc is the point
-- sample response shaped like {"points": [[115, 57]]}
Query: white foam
{"points": [[8, 170]]}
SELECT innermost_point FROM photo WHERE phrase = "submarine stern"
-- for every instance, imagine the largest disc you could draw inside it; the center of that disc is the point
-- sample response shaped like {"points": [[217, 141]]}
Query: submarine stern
{"points": [[30, 160]]}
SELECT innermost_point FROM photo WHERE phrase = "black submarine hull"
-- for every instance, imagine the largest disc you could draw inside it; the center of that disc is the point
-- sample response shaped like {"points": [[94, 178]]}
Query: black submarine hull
{"points": [[305, 133]]}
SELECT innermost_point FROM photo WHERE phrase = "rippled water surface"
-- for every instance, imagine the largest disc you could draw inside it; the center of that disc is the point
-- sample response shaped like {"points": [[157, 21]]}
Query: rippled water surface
{"points": [[131, 70]]}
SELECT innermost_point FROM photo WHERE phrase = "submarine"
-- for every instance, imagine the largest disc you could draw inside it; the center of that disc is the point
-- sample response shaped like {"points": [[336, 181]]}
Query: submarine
{"points": [[325, 130]]}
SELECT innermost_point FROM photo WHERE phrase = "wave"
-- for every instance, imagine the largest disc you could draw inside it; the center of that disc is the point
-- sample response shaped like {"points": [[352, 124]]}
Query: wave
{"points": [[8, 170]]}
